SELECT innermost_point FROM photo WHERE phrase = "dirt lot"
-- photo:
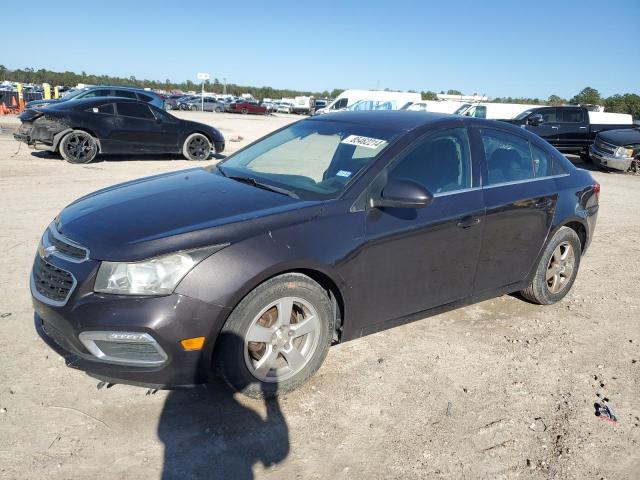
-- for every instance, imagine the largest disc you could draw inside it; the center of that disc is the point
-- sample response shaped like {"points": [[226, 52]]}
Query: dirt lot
{"points": [[502, 389]]}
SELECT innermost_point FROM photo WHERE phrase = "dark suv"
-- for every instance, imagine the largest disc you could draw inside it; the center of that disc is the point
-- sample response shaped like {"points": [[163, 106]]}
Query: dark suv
{"points": [[329, 229], [104, 91]]}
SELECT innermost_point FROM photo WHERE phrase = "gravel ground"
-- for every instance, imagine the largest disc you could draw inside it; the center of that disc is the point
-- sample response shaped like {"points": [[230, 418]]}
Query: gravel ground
{"points": [[501, 389]]}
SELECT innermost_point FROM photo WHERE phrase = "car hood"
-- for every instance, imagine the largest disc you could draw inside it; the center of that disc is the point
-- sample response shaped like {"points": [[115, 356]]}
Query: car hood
{"points": [[621, 138], [48, 102], [176, 211]]}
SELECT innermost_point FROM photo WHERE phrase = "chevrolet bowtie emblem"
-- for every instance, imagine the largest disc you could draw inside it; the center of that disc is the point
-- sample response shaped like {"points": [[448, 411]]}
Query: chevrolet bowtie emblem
{"points": [[45, 252]]}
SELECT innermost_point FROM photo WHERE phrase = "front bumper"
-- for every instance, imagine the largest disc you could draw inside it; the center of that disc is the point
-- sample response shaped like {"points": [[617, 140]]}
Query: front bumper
{"points": [[606, 160], [219, 146], [167, 319]]}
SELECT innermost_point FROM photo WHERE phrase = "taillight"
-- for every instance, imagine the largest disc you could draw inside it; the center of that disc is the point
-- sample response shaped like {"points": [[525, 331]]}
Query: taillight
{"points": [[596, 190]]}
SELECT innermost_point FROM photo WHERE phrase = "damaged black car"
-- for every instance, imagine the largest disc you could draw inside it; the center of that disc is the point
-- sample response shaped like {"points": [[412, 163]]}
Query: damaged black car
{"points": [[81, 129]]}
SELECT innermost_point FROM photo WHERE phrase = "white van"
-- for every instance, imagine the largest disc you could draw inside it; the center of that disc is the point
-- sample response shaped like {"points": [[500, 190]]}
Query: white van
{"points": [[493, 111], [437, 106], [350, 97]]}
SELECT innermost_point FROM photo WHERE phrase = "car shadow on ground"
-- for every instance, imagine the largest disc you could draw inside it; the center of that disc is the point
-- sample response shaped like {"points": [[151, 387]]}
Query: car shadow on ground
{"points": [[128, 158], [208, 433]]}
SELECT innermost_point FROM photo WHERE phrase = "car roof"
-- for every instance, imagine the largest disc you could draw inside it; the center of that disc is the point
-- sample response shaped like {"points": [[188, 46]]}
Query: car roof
{"points": [[387, 119], [88, 102]]}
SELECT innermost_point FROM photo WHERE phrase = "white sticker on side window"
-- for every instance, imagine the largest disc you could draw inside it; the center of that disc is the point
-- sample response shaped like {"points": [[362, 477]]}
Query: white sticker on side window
{"points": [[95, 110], [343, 173], [366, 142]]}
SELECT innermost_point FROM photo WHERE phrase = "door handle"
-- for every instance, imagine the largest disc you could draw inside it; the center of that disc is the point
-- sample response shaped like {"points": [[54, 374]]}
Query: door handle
{"points": [[543, 203], [555, 128], [583, 128], [467, 222]]}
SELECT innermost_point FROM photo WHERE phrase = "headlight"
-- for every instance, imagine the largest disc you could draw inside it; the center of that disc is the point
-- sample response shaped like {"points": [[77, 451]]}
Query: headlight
{"points": [[623, 152], [156, 276]]}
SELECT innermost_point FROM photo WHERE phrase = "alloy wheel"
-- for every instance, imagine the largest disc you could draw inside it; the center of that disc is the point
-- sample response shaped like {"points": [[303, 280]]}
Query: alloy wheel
{"points": [[199, 148], [81, 147], [281, 339], [560, 267]]}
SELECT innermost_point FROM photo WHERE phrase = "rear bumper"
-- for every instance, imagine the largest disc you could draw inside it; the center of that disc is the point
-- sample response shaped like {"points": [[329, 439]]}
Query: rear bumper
{"points": [[606, 160]]}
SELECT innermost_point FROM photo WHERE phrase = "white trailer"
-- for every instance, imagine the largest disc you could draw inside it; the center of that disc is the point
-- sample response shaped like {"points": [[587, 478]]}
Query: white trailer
{"points": [[350, 97], [303, 104]]}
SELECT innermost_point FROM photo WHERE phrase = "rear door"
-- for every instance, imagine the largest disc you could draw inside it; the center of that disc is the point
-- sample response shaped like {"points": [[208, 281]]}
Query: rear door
{"points": [[520, 197], [573, 129], [416, 259]]}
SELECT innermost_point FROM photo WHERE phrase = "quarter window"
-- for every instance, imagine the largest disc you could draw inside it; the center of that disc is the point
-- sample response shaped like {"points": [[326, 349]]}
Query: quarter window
{"points": [[440, 162], [126, 94], [136, 110], [542, 162], [508, 157]]}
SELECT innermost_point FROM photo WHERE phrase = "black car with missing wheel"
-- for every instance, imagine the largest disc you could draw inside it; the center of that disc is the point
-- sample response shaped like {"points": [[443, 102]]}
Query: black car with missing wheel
{"points": [[82, 129], [324, 231]]}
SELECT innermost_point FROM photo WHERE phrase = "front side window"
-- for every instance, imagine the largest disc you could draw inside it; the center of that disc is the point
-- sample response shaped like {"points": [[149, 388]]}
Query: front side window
{"points": [[508, 157], [96, 93], [548, 115], [135, 110], [314, 159], [572, 115], [440, 162], [342, 103], [479, 111]]}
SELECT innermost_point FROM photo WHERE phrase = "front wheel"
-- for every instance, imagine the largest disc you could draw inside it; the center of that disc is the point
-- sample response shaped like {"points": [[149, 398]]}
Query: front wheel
{"points": [[218, 110], [556, 270], [277, 337], [196, 147], [244, 111], [78, 147]]}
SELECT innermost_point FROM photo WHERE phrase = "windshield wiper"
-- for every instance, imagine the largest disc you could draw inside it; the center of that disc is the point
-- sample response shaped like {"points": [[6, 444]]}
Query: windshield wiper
{"points": [[265, 186]]}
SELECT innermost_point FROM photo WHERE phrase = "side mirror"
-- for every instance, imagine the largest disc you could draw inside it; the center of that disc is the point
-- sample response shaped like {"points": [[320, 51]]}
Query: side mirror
{"points": [[535, 119], [403, 194]]}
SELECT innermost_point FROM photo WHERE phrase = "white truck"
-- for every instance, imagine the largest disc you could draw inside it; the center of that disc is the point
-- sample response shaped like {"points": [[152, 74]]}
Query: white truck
{"points": [[303, 105], [346, 99]]}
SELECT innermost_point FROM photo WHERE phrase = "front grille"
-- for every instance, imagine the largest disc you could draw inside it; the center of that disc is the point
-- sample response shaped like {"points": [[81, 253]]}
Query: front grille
{"points": [[130, 351], [605, 147], [52, 282], [65, 247]]}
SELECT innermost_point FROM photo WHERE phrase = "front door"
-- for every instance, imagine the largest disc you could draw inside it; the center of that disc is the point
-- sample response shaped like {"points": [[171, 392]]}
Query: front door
{"points": [[573, 129], [549, 127], [416, 259], [520, 197], [138, 130]]}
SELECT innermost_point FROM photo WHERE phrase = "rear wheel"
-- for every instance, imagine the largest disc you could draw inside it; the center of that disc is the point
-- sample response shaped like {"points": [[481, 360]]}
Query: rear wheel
{"points": [[244, 111], [196, 147], [277, 337], [78, 147], [557, 268]]}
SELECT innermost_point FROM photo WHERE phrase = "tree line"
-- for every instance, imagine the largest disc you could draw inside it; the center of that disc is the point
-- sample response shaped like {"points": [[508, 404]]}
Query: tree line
{"points": [[618, 103]]}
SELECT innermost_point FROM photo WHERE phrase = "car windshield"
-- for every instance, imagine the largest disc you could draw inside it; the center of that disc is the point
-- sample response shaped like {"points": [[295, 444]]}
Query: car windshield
{"points": [[313, 159], [72, 94], [462, 109], [523, 115]]}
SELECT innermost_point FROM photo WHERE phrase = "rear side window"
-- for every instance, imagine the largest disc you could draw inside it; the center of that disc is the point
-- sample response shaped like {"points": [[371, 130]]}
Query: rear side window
{"points": [[440, 162], [126, 94], [508, 157], [135, 110], [103, 109], [144, 98], [572, 115]]}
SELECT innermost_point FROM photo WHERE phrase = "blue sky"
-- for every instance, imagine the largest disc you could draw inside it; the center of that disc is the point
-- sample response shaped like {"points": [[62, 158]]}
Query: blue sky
{"points": [[499, 48]]}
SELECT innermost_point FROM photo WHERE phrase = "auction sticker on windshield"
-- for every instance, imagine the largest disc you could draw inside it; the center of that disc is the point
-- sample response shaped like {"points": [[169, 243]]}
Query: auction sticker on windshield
{"points": [[366, 142]]}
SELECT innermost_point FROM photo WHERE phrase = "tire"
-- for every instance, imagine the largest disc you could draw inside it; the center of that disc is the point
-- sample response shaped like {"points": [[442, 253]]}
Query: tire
{"points": [[291, 359], [556, 270], [192, 107], [78, 146], [218, 110], [244, 111], [196, 147]]}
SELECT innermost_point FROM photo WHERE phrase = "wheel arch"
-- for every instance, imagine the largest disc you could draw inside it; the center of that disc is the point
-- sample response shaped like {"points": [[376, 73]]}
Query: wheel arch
{"points": [[59, 136]]}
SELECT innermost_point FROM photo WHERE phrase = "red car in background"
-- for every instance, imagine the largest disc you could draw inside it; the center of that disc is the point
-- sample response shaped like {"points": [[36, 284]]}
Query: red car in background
{"points": [[247, 107]]}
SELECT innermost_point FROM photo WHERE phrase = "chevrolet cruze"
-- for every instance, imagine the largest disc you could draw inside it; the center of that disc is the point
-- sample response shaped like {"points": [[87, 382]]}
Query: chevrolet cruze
{"points": [[326, 230]]}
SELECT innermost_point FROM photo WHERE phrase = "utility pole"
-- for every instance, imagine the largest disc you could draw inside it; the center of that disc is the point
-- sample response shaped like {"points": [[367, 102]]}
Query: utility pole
{"points": [[224, 88]]}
